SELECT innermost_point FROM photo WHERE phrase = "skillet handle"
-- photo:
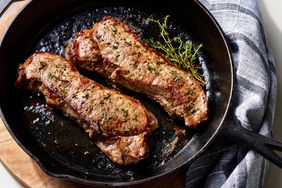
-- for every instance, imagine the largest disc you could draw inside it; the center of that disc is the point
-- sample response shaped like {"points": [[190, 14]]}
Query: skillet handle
{"points": [[261, 144], [5, 4]]}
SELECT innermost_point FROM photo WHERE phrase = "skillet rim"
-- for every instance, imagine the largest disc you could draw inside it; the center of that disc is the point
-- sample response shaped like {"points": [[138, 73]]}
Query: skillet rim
{"points": [[66, 176]]}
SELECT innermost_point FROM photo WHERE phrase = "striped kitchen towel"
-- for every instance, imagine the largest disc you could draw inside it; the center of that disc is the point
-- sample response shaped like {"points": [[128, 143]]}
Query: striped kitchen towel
{"points": [[234, 165]]}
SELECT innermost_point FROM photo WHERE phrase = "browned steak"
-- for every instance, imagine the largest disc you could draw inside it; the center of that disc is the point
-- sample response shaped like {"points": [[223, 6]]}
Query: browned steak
{"points": [[112, 49], [125, 150], [114, 121]]}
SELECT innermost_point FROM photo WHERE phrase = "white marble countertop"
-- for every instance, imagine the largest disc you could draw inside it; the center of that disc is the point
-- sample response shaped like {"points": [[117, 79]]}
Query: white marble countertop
{"points": [[272, 17]]}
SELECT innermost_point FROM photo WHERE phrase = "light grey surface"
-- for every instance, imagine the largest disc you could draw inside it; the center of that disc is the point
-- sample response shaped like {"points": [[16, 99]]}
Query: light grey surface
{"points": [[7, 180], [3, 4], [272, 15]]}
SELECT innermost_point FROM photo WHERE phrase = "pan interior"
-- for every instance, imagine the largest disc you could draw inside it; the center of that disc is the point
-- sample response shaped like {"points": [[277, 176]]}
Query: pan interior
{"points": [[65, 139], [60, 145]]}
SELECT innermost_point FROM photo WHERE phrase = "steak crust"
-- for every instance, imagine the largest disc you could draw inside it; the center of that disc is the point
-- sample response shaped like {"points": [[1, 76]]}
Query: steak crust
{"points": [[101, 112], [112, 49]]}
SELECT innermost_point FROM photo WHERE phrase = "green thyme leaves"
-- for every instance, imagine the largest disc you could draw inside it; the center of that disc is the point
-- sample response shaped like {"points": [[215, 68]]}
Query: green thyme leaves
{"points": [[177, 50]]}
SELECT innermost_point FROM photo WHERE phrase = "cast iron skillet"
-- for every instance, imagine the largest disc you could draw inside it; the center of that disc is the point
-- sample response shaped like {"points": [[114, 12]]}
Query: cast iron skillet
{"points": [[60, 147]]}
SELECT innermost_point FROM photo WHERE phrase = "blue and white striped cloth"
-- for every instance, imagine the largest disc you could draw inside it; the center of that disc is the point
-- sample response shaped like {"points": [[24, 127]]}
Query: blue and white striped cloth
{"points": [[255, 96]]}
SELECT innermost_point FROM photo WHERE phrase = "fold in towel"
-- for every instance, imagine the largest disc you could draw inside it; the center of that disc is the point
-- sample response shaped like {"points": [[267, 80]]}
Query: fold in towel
{"points": [[232, 165]]}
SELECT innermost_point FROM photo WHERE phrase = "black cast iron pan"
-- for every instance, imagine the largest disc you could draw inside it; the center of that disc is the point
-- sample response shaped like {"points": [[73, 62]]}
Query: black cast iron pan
{"points": [[60, 147]]}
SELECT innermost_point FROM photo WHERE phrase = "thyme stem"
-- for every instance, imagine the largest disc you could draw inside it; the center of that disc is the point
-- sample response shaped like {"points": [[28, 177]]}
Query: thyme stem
{"points": [[177, 51]]}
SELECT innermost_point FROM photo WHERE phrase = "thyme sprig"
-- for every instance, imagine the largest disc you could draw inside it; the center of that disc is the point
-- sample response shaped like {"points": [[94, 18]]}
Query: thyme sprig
{"points": [[177, 50]]}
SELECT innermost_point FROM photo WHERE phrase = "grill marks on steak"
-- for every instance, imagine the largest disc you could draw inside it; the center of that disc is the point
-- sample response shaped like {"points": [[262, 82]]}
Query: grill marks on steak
{"points": [[112, 49], [114, 121]]}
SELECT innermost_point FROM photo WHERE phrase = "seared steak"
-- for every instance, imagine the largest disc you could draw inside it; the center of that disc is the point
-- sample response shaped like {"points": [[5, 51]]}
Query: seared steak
{"points": [[125, 150], [114, 121], [114, 50]]}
